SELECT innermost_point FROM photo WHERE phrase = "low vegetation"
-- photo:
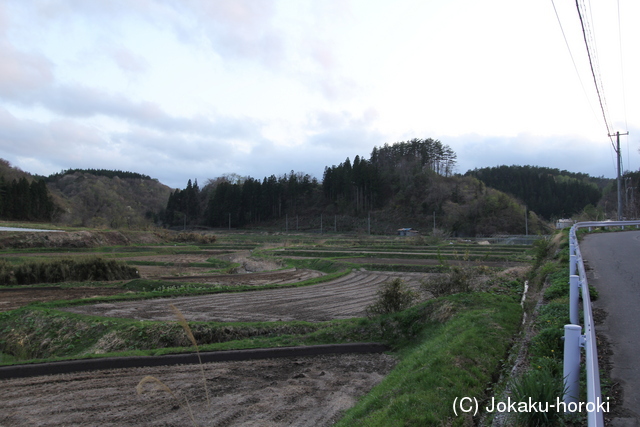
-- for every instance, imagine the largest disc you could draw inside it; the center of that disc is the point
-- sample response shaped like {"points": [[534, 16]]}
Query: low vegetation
{"points": [[65, 270], [392, 297]]}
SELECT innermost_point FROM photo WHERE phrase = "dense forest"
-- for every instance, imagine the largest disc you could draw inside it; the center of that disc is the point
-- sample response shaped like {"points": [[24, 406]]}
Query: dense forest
{"points": [[350, 188], [24, 201], [405, 184], [551, 193]]}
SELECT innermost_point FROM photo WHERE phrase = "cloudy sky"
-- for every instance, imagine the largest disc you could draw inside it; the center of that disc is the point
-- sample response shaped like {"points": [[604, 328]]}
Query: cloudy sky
{"points": [[180, 89]]}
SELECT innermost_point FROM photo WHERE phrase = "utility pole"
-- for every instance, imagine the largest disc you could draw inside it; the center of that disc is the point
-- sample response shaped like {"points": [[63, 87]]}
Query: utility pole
{"points": [[434, 223], [619, 159]]}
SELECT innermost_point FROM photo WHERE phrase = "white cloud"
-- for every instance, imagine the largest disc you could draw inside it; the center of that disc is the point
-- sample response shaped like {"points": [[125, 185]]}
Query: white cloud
{"points": [[128, 61], [22, 74], [174, 88]]}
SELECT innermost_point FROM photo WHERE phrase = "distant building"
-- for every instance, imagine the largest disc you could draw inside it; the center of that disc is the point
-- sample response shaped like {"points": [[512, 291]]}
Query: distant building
{"points": [[564, 223], [407, 232]]}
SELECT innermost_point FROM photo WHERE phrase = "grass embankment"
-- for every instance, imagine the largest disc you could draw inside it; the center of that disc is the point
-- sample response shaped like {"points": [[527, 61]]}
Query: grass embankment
{"points": [[450, 359]]}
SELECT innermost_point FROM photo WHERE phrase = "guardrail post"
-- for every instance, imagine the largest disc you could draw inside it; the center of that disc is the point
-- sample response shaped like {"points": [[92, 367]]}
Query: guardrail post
{"points": [[571, 367], [573, 264], [572, 246], [574, 297]]}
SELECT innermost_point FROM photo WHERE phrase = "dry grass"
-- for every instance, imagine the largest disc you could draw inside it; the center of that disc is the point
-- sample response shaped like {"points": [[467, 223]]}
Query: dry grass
{"points": [[162, 386], [183, 322]]}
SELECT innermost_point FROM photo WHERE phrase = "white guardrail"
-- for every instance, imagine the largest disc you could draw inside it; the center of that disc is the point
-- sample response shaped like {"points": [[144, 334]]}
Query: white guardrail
{"points": [[574, 340]]}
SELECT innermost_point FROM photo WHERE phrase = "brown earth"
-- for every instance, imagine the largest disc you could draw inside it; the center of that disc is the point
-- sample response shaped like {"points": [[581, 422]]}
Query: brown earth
{"points": [[16, 298], [410, 261], [77, 239], [305, 391], [342, 298]]}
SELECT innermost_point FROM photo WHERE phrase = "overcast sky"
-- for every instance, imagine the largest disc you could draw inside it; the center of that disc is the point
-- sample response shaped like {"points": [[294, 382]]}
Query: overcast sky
{"points": [[180, 89]]}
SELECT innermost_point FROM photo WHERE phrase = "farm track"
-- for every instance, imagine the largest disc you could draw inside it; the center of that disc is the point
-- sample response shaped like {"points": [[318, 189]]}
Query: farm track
{"points": [[345, 297]]}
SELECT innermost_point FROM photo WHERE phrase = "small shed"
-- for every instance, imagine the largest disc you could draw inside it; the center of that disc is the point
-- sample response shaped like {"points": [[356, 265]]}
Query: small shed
{"points": [[407, 232], [564, 223]]}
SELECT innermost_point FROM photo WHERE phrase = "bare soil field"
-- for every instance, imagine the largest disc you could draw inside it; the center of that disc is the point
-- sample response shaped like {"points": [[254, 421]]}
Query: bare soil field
{"points": [[180, 267], [291, 275], [410, 261], [342, 298], [16, 298], [305, 391]]}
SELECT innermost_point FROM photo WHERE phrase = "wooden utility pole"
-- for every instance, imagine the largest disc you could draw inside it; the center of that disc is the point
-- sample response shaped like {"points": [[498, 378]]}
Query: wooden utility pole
{"points": [[619, 166]]}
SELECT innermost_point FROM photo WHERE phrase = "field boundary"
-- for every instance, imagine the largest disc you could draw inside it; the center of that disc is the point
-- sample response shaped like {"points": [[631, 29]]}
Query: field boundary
{"points": [[86, 365]]}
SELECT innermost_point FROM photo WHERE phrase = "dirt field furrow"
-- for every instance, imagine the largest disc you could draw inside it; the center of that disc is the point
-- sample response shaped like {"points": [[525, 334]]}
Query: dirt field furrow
{"points": [[342, 298], [307, 391]]}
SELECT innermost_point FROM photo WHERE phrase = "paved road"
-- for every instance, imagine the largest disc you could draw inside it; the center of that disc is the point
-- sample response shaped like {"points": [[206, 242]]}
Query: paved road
{"points": [[615, 260]]}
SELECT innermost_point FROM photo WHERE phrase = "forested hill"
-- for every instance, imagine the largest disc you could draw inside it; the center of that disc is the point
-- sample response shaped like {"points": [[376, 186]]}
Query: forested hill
{"points": [[87, 197], [551, 193], [104, 198], [405, 184], [97, 172]]}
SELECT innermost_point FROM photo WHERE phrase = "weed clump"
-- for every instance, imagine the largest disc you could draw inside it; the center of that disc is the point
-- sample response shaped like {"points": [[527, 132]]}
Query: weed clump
{"points": [[392, 297], [65, 270], [458, 279], [542, 384], [202, 239]]}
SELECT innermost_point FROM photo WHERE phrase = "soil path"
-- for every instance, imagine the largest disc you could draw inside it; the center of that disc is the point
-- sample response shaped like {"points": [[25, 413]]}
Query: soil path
{"points": [[342, 298], [305, 391]]}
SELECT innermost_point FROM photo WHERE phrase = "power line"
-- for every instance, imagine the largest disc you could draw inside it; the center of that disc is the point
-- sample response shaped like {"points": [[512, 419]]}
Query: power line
{"points": [[575, 67], [624, 96], [593, 73]]}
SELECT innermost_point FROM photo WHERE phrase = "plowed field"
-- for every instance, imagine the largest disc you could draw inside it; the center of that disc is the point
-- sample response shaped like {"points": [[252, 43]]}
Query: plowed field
{"points": [[308, 391], [343, 298]]}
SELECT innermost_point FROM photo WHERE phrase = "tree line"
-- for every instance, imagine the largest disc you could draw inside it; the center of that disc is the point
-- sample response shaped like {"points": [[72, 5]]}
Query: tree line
{"points": [[97, 172], [183, 206], [24, 201], [549, 192], [250, 200], [349, 188], [368, 184]]}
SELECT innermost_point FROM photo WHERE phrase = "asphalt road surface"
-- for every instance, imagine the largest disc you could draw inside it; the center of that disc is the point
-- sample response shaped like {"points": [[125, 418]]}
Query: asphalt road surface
{"points": [[615, 262]]}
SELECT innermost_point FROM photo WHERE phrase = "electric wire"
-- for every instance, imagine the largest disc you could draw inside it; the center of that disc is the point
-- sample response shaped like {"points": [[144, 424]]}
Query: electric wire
{"points": [[624, 97], [591, 34], [593, 72], [575, 67]]}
